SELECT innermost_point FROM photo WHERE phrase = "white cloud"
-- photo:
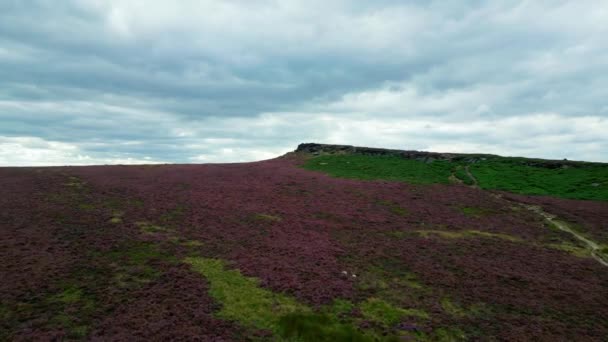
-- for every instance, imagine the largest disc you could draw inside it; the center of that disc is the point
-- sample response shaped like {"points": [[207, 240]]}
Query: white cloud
{"points": [[34, 151], [251, 27], [230, 155], [406, 100], [547, 135], [193, 81]]}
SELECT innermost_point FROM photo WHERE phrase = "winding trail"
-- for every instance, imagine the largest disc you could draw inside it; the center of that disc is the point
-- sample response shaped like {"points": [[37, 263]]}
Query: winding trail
{"points": [[593, 247], [473, 179], [455, 180]]}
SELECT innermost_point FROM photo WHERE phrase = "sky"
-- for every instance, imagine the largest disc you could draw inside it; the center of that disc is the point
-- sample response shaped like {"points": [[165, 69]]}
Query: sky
{"points": [[195, 81]]}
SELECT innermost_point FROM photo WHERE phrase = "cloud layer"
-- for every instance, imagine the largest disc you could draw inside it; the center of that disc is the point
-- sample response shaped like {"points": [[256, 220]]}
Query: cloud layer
{"points": [[129, 81]]}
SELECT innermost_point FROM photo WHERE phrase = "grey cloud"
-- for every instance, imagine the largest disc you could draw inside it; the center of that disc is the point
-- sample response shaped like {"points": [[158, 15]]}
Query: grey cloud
{"points": [[112, 77]]}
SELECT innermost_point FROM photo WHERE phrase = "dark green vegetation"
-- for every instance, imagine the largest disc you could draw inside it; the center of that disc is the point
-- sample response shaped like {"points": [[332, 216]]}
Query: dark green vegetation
{"points": [[587, 181], [318, 327], [243, 300], [389, 168], [584, 181]]}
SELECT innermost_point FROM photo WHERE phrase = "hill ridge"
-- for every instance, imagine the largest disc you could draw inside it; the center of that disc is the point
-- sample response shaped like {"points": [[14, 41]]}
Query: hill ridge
{"points": [[426, 156]]}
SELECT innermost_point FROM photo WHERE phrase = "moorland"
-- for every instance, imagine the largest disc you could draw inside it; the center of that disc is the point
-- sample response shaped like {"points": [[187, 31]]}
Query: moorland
{"points": [[317, 245]]}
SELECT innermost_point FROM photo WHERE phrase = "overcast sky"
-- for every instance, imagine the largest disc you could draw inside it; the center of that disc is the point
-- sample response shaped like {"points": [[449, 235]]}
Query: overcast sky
{"points": [[190, 81]]}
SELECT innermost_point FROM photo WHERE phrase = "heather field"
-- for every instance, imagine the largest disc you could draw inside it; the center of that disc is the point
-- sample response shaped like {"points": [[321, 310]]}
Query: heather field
{"points": [[289, 249]]}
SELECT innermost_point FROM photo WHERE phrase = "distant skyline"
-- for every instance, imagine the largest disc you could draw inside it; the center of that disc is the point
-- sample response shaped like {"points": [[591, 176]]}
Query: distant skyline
{"points": [[133, 81]]}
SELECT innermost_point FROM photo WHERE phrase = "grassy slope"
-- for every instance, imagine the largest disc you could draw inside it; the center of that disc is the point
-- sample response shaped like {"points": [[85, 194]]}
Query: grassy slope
{"points": [[244, 301], [389, 168], [589, 181]]}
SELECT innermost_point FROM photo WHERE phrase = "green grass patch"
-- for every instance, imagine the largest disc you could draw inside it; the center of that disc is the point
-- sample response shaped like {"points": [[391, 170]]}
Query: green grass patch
{"points": [[78, 331], [399, 234], [466, 234], [139, 253], [453, 309], [5, 313], [443, 334], [459, 311], [461, 173], [76, 185], [116, 216], [340, 308], [70, 295], [242, 298], [583, 181], [118, 204], [389, 280], [382, 282], [151, 228], [318, 327], [70, 323], [174, 215], [245, 302], [116, 220], [394, 208], [135, 263], [380, 311], [377, 167], [70, 309], [578, 181], [570, 248], [551, 225], [192, 243], [86, 206]]}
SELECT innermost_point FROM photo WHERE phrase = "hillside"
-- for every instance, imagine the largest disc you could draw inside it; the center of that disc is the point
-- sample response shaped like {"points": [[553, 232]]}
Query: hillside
{"points": [[327, 243], [559, 178]]}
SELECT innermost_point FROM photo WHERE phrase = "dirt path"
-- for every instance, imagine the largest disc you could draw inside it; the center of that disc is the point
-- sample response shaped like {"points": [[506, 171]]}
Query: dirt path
{"points": [[593, 247], [454, 180], [470, 175]]}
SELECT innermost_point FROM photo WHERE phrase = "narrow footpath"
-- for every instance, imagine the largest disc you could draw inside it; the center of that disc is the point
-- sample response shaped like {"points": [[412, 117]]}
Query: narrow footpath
{"points": [[592, 246]]}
